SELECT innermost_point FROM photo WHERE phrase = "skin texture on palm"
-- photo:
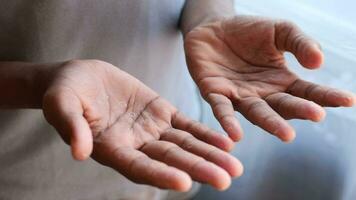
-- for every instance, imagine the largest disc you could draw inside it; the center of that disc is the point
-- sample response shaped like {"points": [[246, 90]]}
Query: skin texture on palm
{"points": [[238, 65], [105, 113]]}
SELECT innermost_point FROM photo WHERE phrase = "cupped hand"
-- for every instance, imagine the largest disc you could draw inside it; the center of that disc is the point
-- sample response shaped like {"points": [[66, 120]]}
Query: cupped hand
{"points": [[106, 113], [238, 64]]}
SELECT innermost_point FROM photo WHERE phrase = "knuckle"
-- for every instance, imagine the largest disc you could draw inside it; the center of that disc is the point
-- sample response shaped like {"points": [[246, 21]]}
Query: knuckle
{"points": [[308, 93], [214, 152], [272, 122], [256, 105], [282, 100], [286, 23], [195, 165], [188, 143]]}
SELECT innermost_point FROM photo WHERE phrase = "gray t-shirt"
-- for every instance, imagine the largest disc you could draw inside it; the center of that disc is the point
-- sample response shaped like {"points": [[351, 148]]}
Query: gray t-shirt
{"points": [[139, 36]]}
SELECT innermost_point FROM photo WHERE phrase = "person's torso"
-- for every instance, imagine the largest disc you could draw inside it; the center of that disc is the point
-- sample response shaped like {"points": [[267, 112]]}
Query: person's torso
{"points": [[139, 36]]}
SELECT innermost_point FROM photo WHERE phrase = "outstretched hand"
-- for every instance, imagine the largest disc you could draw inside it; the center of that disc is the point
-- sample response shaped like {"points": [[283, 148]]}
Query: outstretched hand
{"points": [[105, 113], [238, 64]]}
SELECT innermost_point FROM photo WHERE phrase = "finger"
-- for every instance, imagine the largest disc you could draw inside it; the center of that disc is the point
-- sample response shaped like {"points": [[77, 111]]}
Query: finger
{"points": [[290, 38], [211, 153], [202, 132], [63, 110], [322, 95], [198, 168], [261, 114], [291, 107], [224, 112], [139, 168]]}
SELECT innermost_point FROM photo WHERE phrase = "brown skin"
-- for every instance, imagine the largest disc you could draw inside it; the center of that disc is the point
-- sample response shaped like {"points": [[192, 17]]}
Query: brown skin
{"points": [[99, 109], [238, 65]]}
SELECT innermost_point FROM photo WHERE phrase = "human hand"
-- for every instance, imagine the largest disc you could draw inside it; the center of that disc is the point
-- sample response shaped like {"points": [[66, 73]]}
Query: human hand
{"points": [[106, 113], [238, 64]]}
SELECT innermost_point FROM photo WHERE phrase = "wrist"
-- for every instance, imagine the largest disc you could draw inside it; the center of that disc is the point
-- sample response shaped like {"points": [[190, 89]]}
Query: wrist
{"points": [[200, 12], [41, 79], [23, 85]]}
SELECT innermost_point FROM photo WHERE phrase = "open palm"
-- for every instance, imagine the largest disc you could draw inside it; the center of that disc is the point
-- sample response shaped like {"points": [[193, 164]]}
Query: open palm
{"points": [[238, 64], [130, 128]]}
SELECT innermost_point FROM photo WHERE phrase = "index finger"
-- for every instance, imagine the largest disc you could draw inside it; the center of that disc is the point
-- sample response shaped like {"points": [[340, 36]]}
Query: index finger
{"points": [[322, 95]]}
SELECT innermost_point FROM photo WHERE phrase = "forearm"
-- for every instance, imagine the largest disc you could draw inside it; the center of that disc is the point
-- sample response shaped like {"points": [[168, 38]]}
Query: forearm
{"points": [[196, 12], [22, 84]]}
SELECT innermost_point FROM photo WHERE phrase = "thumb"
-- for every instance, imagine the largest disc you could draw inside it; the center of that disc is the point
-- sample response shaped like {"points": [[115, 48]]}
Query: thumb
{"points": [[290, 38], [64, 111]]}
